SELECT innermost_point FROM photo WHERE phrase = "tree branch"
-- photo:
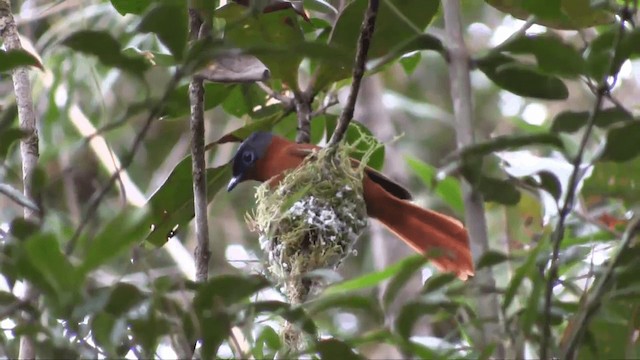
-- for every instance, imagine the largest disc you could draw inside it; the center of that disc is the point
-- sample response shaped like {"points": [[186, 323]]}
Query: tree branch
{"points": [[459, 69], [364, 40], [198, 166], [602, 90], [582, 319], [29, 148], [126, 161]]}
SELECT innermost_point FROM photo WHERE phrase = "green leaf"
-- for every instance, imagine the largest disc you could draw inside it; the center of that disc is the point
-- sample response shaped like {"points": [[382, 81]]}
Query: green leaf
{"points": [[418, 43], [447, 189], [7, 138], [44, 255], [572, 121], [534, 304], [126, 229], [268, 337], [333, 348], [275, 29], [491, 258], [552, 54], [369, 305], [171, 206], [13, 59], [124, 297], [511, 142], [22, 228], [410, 62], [558, 14], [107, 331], [550, 183], [177, 105], [523, 271], [371, 279], [497, 190], [437, 281], [107, 49], [413, 311], [135, 7], [599, 53], [615, 180], [521, 79], [228, 289], [294, 315], [400, 279], [622, 142], [168, 21], [398, 22], [215, 327]]}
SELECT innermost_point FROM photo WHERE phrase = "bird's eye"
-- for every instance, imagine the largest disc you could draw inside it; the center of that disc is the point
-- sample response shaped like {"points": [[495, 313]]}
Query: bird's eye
{"points": [[248, 157]]}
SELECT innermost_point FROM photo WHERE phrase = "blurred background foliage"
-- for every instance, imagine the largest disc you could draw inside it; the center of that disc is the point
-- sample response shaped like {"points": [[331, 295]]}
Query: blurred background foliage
{"points": [[100, 68]]}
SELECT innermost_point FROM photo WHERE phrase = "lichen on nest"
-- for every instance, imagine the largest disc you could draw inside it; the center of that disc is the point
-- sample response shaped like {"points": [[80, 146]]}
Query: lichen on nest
{"points": [[312, 218]]}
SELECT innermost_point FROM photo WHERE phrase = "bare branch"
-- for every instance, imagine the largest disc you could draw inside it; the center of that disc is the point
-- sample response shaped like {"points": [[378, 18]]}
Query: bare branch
{"points": [[303, 110], [29, 148], [459, 77], [364, 40], [19, 198], [581, 321], [602, 90], [197, 29], [126, 161]]}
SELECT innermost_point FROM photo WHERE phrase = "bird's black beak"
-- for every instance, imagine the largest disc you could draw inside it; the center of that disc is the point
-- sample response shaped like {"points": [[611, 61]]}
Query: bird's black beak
{"points": [[233, 182]]}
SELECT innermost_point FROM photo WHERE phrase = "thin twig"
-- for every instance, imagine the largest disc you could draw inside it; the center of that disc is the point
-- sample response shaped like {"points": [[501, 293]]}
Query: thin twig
{"points": [[558, 234], [330, 102], [580, 324], [364, 40], [286, 101], [461, 95], [29, 148], [198, 166], [126, 161], [16, 196]]}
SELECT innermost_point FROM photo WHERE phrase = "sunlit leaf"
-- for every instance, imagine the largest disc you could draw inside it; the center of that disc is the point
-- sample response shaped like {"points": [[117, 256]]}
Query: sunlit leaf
{"points": [[370, 279]]}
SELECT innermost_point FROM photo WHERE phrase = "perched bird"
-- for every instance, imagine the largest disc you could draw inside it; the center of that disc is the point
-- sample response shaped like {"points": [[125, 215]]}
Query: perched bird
{"points": [[265, 157]]}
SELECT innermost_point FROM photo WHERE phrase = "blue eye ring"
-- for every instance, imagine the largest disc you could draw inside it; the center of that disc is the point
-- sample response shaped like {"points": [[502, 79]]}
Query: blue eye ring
{"points": [[248, 157]]}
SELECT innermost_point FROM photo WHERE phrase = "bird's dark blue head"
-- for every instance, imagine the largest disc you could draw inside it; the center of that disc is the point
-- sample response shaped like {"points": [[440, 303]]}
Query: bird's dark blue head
{"points": [[250, 151]]}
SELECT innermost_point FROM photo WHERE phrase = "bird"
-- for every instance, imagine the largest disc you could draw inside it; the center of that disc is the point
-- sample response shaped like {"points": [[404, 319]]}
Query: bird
{"points": [[264, 156]]}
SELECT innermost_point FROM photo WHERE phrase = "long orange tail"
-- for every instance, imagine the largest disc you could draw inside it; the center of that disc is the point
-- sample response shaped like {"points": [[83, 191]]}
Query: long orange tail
{"points": [[424, 230]]}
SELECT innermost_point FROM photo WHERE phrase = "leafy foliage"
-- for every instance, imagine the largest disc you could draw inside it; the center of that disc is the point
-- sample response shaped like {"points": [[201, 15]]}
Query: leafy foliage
{"points": [[118, 289]]}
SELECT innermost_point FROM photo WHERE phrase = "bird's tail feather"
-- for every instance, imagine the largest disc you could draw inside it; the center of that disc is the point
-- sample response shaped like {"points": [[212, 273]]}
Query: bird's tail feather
{"points": [[425, 231]]}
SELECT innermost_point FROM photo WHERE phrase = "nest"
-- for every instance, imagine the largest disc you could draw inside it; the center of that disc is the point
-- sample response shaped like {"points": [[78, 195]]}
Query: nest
{"points": [[311, 219]]}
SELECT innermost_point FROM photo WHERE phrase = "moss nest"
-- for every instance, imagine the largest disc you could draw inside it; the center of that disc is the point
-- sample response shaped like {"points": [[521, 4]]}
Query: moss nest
{"points": [[311, 219]]}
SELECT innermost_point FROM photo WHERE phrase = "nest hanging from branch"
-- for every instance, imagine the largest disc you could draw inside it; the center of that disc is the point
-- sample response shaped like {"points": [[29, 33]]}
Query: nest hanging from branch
{"points": [[311, 219]]}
